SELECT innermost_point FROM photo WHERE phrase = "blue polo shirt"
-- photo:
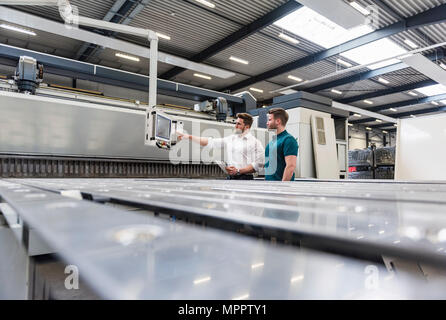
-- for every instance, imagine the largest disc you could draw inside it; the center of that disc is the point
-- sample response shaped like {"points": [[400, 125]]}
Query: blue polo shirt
{"points": [[284, 144]]}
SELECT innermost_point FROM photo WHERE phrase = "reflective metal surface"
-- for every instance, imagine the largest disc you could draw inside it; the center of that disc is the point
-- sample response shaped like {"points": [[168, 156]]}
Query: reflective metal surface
{"points": [[404, 220], [125, 255]]}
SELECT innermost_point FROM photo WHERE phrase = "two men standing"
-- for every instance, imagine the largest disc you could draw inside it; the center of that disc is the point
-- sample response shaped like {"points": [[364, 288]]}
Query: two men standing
{"points": [[246, 154]]}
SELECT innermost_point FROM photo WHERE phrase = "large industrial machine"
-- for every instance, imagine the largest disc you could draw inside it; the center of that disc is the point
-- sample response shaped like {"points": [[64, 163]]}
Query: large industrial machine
{"points": [[54, 131]]}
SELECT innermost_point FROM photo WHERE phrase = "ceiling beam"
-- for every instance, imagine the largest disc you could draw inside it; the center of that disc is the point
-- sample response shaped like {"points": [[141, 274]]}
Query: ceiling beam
{"points": [[405, 104], [419, 112], [401, 115], [384, 6], [87, 71], [432, 16], [368, 75], [408, 103], [239, 35], [384, 92], [87, 49]]}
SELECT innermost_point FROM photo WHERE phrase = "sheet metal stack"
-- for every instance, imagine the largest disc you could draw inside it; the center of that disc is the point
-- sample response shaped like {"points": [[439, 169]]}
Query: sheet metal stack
{"points": [[139, 255]]}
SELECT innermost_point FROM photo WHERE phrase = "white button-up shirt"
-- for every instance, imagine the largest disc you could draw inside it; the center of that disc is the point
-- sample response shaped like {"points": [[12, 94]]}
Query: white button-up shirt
{"points": [[241, 150]]}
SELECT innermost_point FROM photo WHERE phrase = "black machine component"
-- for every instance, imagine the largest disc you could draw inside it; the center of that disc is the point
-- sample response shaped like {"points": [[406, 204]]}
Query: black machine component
{"points": [[217, 107], [222, 109], [28, 75]]}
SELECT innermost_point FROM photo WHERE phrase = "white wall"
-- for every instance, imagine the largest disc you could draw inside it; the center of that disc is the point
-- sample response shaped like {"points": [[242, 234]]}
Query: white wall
{"points": [[420, 153]]}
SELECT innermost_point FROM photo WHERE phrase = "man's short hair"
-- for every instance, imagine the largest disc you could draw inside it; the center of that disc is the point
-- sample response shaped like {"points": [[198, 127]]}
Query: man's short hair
{"points": [[246, 117], [279, 113]]}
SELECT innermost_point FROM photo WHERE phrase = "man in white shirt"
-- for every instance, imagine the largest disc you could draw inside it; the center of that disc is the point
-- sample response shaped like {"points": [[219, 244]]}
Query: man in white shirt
{"points": [[245, 153]]}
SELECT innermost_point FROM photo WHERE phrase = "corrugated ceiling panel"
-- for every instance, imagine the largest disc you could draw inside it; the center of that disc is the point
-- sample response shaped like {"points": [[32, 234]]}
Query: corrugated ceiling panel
{"points": [[382, 18], [43, 42], [246, 11], [267, 87], [408, 8], [96, 9], [262, 54], [214, 84], [191, 28], [436, 32]]}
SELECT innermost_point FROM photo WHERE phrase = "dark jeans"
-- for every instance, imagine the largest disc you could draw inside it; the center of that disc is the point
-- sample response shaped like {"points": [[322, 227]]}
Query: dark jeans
{"points": [[241, 177]]}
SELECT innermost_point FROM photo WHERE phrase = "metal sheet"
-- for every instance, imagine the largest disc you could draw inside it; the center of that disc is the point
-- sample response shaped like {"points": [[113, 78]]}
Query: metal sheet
{"points": [[13, 267], [125, 255], [404, 220]]}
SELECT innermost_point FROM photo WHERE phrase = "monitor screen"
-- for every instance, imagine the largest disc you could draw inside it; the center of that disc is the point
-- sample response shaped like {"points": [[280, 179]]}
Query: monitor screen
{"points": [[162, 127]]}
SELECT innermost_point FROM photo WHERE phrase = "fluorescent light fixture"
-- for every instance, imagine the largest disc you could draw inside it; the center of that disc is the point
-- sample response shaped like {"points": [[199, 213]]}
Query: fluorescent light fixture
{"points": [[314, 27], [368, 101], [206, 3], [294, 78], [368, 128], [395, 125], [202, 76], [379, 121], [357, 115], [336, 91], [393, 109], [435, 103], [297, 278], [411, 44], [288, 91], [350, 124], [202, 280], [384, 131], [288, 38], [382, 80], [238, 60], [257, 265], [256, 90], [405, 56], [243, 297], [163, 36], [443, 65], [345, 63], [17, 29], [126, 56], [360, 8], [412, 93], [413, 116]]}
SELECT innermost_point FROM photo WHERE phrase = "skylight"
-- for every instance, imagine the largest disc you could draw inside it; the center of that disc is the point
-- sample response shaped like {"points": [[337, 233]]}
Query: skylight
{"points": [[375, 51], [314, 27], [433, 90]]}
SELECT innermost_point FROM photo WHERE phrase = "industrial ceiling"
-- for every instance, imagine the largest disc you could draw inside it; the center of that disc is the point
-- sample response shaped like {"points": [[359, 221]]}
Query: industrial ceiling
{"points": [[247, 30]]}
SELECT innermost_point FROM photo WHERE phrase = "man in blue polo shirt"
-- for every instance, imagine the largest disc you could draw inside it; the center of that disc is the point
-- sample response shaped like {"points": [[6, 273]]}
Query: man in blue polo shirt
{"points": [[281, 152]]}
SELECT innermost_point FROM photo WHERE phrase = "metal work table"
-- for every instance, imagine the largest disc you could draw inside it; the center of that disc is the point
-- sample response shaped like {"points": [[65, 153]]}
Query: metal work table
{"points": [[366, 220], [128, 255]]}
